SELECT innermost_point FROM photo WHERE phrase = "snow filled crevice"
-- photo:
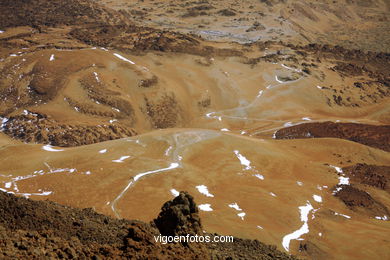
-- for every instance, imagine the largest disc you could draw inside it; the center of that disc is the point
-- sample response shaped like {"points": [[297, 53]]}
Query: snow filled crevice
{"points": [[304, 229]]}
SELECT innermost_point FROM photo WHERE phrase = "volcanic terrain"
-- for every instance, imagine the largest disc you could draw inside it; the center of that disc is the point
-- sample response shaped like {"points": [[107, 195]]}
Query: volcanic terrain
{"points": [[274, 115]]}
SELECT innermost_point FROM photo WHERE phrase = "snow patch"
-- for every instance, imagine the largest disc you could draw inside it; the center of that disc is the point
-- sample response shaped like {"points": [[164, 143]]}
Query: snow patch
{"points": [[3, 121], [278, 80], [120, 160], [317, 198], [338, 169], [257, 175], [203, 189], [382, 218], [243, 160], [123, 58], [304, 211], [50, 148], [135, 179], [290, 68], [343, 180], [171, 166], [205, 207], [345, 216], [174, 192], [96, 76], [235, 206], [241, 215]]}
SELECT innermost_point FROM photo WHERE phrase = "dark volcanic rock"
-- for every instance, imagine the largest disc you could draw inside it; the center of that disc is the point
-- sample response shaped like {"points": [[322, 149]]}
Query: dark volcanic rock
{"points": [[88, 226], [373, 175], [371, 135], [46, 230], [33, 127], [38, 13], [179, 217], [359, 200]]}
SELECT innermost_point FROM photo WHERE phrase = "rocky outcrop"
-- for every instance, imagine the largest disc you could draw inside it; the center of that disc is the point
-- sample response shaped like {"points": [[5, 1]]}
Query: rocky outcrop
{"points": [[179, 217], [38, 13], [360, 201], [42, 229], [371, 135], [38, 128], [372, 175]]}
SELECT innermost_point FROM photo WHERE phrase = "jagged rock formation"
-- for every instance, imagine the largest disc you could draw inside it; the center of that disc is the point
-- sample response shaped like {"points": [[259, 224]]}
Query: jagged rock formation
{"points": [[42, 229], [179, 217]]}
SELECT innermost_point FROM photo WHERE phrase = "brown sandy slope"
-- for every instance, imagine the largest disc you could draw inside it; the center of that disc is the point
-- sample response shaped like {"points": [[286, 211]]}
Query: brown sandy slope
{"points": [[374, 136], [30, 229]]}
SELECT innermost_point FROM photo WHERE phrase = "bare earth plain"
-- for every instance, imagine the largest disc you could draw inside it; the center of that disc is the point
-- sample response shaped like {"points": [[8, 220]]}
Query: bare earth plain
{"points": [[274, 115]]}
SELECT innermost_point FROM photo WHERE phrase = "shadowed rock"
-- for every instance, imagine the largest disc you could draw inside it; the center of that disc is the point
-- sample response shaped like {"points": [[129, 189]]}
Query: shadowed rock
{"points": [[179, 217], [377, 136], [42, 229]]}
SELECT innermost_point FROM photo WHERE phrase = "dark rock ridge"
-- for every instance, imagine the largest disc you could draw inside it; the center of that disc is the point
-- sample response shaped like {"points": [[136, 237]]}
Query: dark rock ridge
{"points": [[37, 128], [372, 175], [360, 201], [38, 13], [358, 195], [42, 229], [370, 135]]}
